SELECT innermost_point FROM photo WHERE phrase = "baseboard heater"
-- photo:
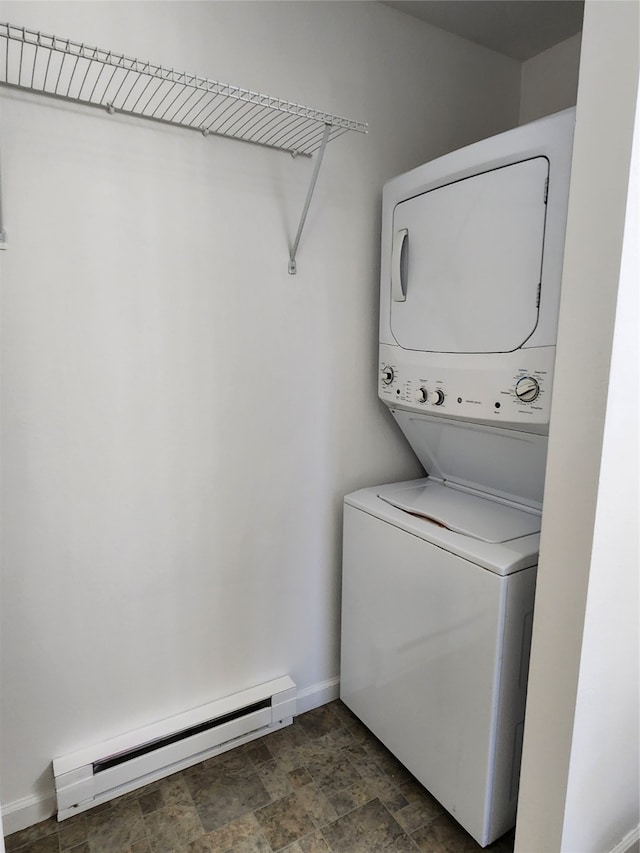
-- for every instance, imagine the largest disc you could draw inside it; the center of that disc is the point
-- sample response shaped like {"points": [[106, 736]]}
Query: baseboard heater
{"points": [[96, 774]]}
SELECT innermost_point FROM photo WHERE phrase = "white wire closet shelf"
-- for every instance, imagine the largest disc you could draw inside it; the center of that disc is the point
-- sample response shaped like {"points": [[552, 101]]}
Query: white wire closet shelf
{"points": [[50, 65], [61, 68]]}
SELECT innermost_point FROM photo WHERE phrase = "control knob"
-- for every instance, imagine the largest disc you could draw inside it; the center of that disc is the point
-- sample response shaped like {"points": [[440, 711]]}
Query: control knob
{"points": [[388, 375], [421, 395], [437, 397], [527, 389]]}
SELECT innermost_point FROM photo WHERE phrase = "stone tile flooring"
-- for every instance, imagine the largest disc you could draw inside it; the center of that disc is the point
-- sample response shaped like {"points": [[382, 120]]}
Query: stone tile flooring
{"points": [[322, 785]]}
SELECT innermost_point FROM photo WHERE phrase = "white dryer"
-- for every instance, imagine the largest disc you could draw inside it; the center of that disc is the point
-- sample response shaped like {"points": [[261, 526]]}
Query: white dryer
{"points": [[439, 573]]}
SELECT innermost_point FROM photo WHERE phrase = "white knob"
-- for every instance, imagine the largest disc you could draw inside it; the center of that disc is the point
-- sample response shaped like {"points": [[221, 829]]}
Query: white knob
{"points": [[527, 389], [388, 375], [437, 397], [421, 395]]}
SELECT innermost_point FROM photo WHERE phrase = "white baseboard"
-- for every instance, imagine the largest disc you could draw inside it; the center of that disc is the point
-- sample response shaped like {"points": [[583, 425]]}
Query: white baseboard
{"points": [[29, 810], [317, 695], [629, 844]]}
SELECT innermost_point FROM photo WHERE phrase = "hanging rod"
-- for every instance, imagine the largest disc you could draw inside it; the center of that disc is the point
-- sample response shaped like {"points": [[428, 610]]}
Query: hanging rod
{"points": [[73, 71]]}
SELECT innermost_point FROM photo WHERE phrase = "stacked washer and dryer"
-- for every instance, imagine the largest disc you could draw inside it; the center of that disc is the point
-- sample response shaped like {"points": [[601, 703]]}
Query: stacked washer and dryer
{"points": [[439, 573]]}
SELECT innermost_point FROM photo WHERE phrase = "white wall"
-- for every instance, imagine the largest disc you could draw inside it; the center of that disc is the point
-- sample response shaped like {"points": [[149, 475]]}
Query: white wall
{"points": [[603, 789], [549, 81], [579, 784], [180, 417]]}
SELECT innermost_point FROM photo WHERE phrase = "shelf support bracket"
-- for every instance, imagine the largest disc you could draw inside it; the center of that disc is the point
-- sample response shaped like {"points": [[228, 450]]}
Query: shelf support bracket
{"points": [[305, 210]]}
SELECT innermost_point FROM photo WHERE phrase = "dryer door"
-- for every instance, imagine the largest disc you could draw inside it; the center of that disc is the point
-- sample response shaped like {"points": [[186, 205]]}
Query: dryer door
{"points": [[466, 262]]}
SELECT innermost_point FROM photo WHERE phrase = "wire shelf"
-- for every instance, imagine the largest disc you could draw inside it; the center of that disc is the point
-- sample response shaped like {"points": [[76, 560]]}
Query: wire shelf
{"points": [[61, 68]]}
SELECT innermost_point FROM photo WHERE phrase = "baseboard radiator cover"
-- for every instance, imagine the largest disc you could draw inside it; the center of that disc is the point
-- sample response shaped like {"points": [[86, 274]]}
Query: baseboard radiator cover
{"points": [[96, 774]]}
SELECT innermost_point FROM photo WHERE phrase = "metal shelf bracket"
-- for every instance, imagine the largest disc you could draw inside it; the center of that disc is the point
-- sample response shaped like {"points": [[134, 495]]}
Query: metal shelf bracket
{"points": [[314, 177]]}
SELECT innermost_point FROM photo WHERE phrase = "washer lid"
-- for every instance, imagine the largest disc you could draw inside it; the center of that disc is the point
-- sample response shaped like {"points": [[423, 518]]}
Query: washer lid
{"points": [[469, 514], [500, 558]]}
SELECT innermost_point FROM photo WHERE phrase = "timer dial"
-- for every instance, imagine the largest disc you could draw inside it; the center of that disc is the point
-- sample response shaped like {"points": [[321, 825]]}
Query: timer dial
{"points": [[388, 375], [527, 389]]}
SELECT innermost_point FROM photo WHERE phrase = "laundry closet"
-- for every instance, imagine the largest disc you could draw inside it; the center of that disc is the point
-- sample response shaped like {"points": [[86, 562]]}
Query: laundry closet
{"points": [[182, 415]]}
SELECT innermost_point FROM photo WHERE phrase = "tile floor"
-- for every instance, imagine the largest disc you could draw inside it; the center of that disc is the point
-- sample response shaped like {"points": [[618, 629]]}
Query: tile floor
{"points": [[322, 785]]}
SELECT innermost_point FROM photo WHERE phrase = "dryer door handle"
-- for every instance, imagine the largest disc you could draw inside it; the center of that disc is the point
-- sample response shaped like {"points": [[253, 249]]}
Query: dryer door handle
{"points": [[398, 286]]}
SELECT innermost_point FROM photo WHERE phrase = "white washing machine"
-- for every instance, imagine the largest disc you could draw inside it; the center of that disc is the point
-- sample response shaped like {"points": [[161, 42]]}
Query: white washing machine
{"points": [[436, 633], [439, 573]]}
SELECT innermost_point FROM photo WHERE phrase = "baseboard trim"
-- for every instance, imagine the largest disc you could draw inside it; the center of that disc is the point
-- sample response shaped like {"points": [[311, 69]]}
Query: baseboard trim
{"points": [[29, 810], [22, 813], [629, 844], [317, 695]]}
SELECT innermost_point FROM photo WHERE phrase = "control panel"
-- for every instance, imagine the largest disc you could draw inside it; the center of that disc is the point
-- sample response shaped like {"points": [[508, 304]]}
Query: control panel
{"points": [[513, 389]]}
